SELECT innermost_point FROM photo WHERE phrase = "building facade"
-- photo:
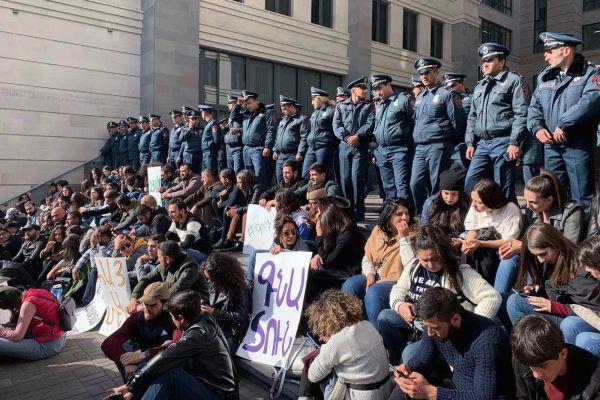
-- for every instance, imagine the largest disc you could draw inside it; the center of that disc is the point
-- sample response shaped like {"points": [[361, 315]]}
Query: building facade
{"points": [[69, 67]]}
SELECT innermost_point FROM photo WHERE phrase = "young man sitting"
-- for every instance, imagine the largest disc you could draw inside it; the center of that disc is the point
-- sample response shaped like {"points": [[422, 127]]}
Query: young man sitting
{"points": [[548, 368]]}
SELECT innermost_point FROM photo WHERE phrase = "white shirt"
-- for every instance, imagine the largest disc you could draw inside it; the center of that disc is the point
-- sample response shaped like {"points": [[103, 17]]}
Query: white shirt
{"points": [[508, 220]]}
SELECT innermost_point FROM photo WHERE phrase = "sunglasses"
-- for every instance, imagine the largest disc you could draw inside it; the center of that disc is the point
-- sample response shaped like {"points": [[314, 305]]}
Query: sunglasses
{"points": [[289, 233], [124, 246]]}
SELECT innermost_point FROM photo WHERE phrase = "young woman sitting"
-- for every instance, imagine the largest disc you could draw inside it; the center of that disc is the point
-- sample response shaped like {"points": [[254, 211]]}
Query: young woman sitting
{"points": [[287, 204]]}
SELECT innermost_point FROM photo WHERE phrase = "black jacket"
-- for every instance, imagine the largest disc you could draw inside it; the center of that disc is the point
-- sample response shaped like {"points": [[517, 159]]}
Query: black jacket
{"points": [[29, 255], [583, 375], [345, 255], [232, 312], [582, 289], [269, 194], [252, 197], [10, 248], [202, 352]]}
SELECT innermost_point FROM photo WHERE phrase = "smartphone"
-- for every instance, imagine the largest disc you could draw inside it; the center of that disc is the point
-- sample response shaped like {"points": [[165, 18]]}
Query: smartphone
{"points": [[522, 294], [402, 374], [313, 339]]}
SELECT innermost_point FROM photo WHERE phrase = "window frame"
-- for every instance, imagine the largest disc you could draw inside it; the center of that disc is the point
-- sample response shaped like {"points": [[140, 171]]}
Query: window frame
{"points": [[321, 12], [277, 7], [494, 31], [439, 46], [503, 6], [405, 45], [376, 31]]}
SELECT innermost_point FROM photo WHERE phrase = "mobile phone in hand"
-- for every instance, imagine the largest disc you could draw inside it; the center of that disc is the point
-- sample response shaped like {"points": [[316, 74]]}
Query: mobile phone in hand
{"points": [[522, 294]]}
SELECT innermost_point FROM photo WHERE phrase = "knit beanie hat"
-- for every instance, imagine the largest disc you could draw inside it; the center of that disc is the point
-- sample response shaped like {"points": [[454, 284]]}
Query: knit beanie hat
{"points": [[9, 297], [452, 179]]}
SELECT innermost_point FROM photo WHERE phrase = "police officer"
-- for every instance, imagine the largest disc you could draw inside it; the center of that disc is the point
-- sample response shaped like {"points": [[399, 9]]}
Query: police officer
{"points": [[158, 140], [133, 142], [320, 141], [564, 114], [292, 131], [123, 143], [233, 137], [455, 82], [417, 86], [497, 123], [439, 118], [258, 133], [106, 150], [341, 94], [186, 112], [191, 140], [174, 138], [144, 144], [393, 134], [353, 125], [211, 139]]}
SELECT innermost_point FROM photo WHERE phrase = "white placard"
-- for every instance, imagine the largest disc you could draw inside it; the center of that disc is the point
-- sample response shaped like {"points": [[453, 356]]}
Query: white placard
{"points": [[277, 298], [89, 317], [260, 228], [112, 276], [154, 183]]}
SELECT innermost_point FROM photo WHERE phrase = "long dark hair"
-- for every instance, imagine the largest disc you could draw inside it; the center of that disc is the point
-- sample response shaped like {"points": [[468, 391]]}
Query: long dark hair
{"points": [[546, 185], [388, 210], [491, 194], [225, 271], [247, 178], [449, 218], [70, 249], [287, 202], [433, 238], [333, 223]]}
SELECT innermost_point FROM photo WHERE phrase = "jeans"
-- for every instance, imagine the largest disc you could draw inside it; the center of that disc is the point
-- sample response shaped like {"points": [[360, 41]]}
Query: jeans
{"points": [[177, 384], [209, 161], [506, 275], [235, 158], [281, 159], [198, 256], [375, 299], [394, 165], [354, 165], [430, 161], [158, 156], [323, 156], [489, 162], [577, 330], [459, 156], [90, 286], [589, 341], [518, 306], [29, 349], [395, 332], [251, 264], [254, 160], [529, 171]]}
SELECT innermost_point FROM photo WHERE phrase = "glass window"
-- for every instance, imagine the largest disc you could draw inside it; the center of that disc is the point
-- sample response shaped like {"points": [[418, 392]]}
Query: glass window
{"points": [[306, 79], [279, 6], [285, 82], [232, 75], [504, 6], [491, 32], [409, 29], [591, 36], [589, 5], [380, 21], [437, 39], [540, 18], [260, 79], [321, 11], [208, 76]]}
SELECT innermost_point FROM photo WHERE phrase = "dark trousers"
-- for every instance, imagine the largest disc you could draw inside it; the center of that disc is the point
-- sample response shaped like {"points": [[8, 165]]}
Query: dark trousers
{"points": [[395, 164], [431, 159], [354, 166], [209, 161], [323, 155], [254, 160], [281, 159], [235, 158], [194, 159]]}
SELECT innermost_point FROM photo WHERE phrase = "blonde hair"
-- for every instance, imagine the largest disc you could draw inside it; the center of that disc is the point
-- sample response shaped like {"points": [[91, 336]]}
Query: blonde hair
{"points": [[333, 311]]}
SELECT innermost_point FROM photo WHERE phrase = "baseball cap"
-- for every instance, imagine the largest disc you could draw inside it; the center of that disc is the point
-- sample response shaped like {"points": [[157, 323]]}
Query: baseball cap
{"points": [[155, 292]]}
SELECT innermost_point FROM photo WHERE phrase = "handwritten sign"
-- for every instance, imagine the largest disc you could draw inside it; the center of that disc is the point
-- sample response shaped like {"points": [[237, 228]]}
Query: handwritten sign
{"points": [[260, 228], [90, 316], [112, 276], [279, 286], [154, 183]]}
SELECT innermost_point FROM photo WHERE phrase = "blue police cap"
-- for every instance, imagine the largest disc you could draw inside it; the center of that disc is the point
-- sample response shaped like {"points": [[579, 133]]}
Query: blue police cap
{"points": [[364, 81], [487, 51], [380, 79], [123, 123], [555, 39], [153, 116], [416, 81], [341, 92], [424, 64], [193, 114], [247, 94], [270, 106], [450, 78], [205, 107], [111, 124], [317, 92], [186, 109], [175, 113], [223, 120], [285, 100], [143, 118], [132, 119], [232, 98]]}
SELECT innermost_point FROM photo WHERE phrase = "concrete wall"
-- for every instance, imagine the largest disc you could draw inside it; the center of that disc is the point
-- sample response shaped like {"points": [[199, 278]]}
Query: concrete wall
{"points": [[66, 69]]}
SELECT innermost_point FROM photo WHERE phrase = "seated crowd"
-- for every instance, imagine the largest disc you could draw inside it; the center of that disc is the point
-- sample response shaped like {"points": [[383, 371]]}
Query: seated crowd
{"points": [[476, 298]]}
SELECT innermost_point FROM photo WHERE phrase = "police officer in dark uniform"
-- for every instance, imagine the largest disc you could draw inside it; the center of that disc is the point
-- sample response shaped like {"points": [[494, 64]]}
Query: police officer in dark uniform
{"points": [[320, 141], [158, 140], [174, 137], [106, 150], [258, 133], [292, 131], [353, 125], [455, 82], [186, 112], [393, 134], [211, 139], [191, 142], [233, 138], [123, 143], [417, 86], [439, 119], [133, 142], [497, 123], [144, 144], [564, 114]]}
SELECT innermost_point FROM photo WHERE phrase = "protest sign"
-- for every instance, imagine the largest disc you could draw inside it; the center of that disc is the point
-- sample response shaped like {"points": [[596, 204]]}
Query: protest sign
{"points": [[89, 317], [112, 276], [277, 298], [154, 183], [260, 228]]}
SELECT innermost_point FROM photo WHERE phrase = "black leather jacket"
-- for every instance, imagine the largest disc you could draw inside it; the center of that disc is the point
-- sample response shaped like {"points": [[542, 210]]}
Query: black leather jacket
{"points": [[202, 352]]}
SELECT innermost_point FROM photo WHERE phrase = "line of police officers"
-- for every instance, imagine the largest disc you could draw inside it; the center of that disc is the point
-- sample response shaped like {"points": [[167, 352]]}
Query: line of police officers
{"points": [[487, 132]]}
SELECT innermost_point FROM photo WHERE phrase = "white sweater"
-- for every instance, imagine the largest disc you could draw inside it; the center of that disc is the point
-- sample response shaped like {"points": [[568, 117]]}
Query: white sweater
{"points": [[357, 355], [486, 299]]}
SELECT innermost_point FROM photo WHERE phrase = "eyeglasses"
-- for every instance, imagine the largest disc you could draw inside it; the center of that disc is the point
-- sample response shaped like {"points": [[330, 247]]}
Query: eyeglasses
{"points": [[289, 233]]}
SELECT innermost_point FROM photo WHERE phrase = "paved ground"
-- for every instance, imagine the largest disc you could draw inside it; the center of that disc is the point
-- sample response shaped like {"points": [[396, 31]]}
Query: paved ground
{"points": [[80, 371]]}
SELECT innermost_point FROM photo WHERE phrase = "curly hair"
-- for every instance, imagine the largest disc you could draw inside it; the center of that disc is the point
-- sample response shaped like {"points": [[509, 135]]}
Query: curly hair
{"points": [[224, 271], [333, 311]]}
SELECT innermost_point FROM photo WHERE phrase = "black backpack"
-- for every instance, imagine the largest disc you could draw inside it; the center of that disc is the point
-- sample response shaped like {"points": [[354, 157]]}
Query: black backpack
{"points": [[66, 312]]}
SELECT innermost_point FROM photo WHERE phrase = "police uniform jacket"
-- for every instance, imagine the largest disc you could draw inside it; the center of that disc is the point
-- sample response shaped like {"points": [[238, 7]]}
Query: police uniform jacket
{"points": [[158, 141], [175, 140], [354, 119], [439, 116], [570, 102], [467, 99], [211, 137], [106, 150], [291, 134], [191, 140], [144, 144], [499, 108], [321, 128], [229, 138], [114, 146], [394, 121], [133, 143], [258, 127], [124, 146]]}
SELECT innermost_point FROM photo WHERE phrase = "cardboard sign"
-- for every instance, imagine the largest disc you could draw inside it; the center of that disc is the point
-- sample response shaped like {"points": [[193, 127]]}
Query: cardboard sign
{"points": [[90, 316], [114, 285], [277, 299], [260, 228], [154, 183]]}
